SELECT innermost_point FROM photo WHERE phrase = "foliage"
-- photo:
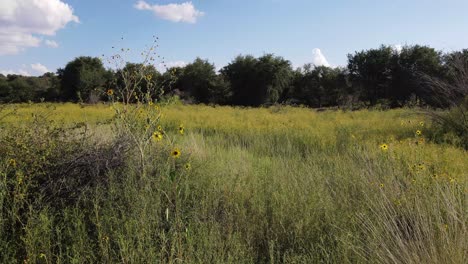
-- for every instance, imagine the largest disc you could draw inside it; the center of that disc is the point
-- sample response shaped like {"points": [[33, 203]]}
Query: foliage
{"points": [[381, 78], [371, 73], [279, 184], [257, 81], [452, 93], [319, 86], [82, 79], [411, 63], [200, 81]]}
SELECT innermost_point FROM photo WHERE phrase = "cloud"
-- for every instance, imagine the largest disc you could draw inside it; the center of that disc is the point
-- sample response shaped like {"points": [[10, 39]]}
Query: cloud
{"points": [[22, 20], [318, 59], [162, 67], [397, 47], [184, 12], [39, 68], [18, 72], [51, 43]]}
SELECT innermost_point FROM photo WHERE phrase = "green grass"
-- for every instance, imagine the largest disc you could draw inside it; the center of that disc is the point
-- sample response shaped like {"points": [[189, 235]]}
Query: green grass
{"points": [[267, 185]]}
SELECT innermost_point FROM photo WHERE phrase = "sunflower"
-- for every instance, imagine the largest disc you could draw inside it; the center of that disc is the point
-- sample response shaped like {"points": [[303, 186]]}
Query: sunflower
{"points": [[421, 166], [421, 123], [181, 130], [187, 166], [418, 132], [384, 147], [150, 103], [157, 136], [160, 128], [12, 162], [175, 153], [381, 185], [110, 92]]}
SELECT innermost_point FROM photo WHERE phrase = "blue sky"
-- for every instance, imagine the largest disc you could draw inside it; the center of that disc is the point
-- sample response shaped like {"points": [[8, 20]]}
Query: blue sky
{"points": [[35, 37]]}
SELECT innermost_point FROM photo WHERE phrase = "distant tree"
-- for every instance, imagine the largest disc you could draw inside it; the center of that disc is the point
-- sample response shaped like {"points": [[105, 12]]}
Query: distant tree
{"points": [[371, 72], [258, 81], [319, 86], [200, 81], [136, 77], [169, 81], [241, 73], [21, 89], [82, 78], [410, 63], [5, 89]]}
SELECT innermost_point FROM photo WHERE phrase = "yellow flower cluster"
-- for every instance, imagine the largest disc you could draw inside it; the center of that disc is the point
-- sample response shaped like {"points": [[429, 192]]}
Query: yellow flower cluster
{"points": [[384, 147], [157, 136], [175, 153], [181, 129]]}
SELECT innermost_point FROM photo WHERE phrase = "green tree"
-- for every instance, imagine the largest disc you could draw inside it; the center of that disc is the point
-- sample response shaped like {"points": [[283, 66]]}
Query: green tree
{"points": [[411, 62], [371, 72], [200, 81], [319, 86], [83, 79], [139, 78], [258, 81]]}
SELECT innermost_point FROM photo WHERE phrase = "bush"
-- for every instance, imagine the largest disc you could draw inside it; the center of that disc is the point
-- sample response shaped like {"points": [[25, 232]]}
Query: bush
{"points": [[452, 92]]}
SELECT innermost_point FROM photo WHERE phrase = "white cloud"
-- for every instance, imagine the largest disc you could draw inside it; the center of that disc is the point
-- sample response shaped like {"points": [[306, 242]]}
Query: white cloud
{"points": [[162, 67], [184, 12], [318, 59], [397, 47], [39, 68], [18, 72], [22, 20], [51, 43], [36, 68]]}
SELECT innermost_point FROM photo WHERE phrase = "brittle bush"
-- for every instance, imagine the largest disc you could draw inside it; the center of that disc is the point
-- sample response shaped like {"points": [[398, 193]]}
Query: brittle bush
{"points": [[265, 185]]}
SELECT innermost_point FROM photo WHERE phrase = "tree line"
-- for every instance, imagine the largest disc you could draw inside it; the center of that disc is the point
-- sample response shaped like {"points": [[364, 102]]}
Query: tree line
{"points": [[381, 76]]}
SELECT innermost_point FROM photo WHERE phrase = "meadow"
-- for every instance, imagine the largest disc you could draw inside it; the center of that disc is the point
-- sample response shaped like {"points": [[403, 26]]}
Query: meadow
{"points": [[246, 185]]}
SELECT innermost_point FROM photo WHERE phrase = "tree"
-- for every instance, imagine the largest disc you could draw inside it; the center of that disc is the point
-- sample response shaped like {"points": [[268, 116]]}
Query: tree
{"points": [[82, 79], [319, 86], [139, 78], [258, 81], [200, 81], [411, 62], [371, 72]]}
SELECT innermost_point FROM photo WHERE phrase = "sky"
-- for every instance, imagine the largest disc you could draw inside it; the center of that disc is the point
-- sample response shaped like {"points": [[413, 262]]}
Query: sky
{"points": [[37, 36]]}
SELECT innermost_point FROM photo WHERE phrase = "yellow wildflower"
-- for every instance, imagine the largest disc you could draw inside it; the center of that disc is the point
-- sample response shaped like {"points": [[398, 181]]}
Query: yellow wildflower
{"points": [[384, 147], [418, 132], [175, 153], [12, 162], [157, 136], [110, 92], [188, 166], [421, 166]]}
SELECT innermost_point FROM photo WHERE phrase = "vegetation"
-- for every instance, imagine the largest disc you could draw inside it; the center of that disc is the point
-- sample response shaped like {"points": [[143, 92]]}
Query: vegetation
{"points": [[140, 177], [383, 76], [265, 185]]}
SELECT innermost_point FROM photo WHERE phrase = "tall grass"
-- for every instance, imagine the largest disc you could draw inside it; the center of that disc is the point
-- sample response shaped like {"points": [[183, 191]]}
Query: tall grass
{"points": [[268, 185]]}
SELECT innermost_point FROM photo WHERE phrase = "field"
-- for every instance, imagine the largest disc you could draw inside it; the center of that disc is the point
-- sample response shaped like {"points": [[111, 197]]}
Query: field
{"points": [[264, 185]]}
